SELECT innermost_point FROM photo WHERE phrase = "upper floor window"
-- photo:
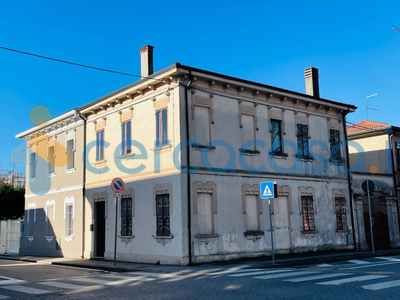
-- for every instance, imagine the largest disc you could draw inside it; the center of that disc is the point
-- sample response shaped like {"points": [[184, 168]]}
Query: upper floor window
{"points": [[334, 140], [126, 138], [51, 159], [161, 127], [32, 165], [163, 216], [340, 210], [100, 145], [71, 150], [307, 209], [276, 136], [302, 140]]}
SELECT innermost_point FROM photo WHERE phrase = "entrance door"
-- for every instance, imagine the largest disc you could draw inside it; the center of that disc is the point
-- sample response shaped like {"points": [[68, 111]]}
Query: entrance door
{"points": [[281, 223], [100, 229], [379, 221]]}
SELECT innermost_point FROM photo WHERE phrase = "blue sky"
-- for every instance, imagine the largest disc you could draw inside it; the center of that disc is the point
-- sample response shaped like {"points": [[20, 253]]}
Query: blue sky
{"points": [[350, 42]]}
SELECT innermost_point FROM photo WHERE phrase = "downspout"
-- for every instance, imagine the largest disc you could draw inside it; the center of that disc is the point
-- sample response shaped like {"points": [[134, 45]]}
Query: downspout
{"points": [[188, 87], [78, 114], [349, 179]]}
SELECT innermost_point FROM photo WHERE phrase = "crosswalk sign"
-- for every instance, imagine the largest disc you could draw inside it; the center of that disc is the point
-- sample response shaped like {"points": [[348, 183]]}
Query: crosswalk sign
{"points": [[267, 190]]}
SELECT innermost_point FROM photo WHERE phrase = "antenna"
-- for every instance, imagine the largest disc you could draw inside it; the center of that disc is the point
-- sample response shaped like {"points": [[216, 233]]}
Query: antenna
{"points": [[369, 108]]}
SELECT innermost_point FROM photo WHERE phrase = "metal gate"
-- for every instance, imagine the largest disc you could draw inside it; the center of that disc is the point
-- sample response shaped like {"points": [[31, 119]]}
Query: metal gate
{"points": [[13, 236]]}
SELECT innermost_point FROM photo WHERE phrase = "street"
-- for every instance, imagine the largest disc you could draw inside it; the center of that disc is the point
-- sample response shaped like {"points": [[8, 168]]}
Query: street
{"points": [[354, 279]]}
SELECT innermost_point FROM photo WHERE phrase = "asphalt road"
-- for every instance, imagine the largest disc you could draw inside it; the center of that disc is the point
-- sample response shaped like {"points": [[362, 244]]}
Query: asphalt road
{"points": [[375, 278]]}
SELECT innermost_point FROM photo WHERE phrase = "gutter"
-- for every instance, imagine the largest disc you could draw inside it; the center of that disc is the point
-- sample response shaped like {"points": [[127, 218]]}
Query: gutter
{"points": [[78, 114], [349, 179]]}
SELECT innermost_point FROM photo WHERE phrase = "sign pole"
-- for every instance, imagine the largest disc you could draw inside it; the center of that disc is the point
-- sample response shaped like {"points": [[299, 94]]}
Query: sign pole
{"points": [[271, 227], [116, 224], [370, 219]]}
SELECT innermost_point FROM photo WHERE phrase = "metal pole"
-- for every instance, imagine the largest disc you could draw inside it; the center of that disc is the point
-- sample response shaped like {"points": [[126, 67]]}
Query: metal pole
{"points": [[370, 219], [115, 237], [272, 231]]}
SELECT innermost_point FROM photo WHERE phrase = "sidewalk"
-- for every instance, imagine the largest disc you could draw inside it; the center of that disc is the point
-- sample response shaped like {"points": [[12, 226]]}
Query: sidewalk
{"points": [[293, 260]]}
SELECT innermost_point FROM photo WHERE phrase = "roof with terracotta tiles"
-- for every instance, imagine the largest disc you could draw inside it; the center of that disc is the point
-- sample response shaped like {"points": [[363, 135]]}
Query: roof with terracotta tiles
{"points": [[365, 125]]}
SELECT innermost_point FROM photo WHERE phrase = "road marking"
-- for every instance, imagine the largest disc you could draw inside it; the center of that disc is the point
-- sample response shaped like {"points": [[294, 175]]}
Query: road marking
{"points": [[91, 280], [388, 258], [324, 265], [8, 280], [129, 278], [62, 285], [233, 271], [359, 262], [382, 285], [25, 290], [285, 275], [259, 273], [159, 275], [371, 265], [317, 277], [4, 297], [352, 279]]}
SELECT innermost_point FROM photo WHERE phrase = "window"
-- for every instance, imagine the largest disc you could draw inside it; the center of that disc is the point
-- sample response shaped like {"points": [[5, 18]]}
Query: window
{"points": [[248, 130], [302, 140], [163, 222], [205, 214], [49, 217], [100, 145], [51, 160], [69, 217], [71, 151], [335, 140], [161, 127], [202, 125], [126, 138], [31, 218], [307, 204], [340, 209], [126, 216], [32, 165], [252, 212], [276, 136]]}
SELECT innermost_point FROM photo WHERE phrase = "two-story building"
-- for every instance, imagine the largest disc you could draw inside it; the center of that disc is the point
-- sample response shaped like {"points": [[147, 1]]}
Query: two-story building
{"points": [[192, 147], [375, 155]]}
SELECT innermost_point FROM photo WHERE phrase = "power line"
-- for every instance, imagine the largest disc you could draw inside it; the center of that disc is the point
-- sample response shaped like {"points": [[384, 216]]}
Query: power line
{"points": [[77, 64]]}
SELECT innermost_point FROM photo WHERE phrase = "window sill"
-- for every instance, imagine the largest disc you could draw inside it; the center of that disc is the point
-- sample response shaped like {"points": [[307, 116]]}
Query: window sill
{"points": [[201, 147], [32, 179], [99, 162], [30, 238], [69, 238], [49, 238], [337, 162], [253, 234], [249, 152], [163, 239], [127, 156], [309, 232], [206, 238], [162, 148], [304, 158], [126, 239], [278, 155], [51, 175], [342, 230], [68, 171]]}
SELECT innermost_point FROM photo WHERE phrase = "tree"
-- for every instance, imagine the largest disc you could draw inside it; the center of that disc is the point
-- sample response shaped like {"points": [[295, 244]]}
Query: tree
{"points": [[12, 202]]}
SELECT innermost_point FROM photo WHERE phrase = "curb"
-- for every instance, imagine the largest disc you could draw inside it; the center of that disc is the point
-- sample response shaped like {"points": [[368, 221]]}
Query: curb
{"points": [[102, 268], [17, 259]]}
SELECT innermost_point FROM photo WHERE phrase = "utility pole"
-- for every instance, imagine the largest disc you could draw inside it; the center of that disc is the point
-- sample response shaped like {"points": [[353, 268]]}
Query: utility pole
{"points": [[366, 105]]}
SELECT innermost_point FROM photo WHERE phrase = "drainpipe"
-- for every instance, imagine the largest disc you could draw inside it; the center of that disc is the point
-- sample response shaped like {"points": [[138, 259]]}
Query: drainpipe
{"points": [[349, 179], [78, 114], [188, 87]]}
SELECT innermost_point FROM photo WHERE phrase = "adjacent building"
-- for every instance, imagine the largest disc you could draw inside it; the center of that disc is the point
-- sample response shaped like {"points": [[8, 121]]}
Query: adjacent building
{"points": [[192, 147], [375, 156]]}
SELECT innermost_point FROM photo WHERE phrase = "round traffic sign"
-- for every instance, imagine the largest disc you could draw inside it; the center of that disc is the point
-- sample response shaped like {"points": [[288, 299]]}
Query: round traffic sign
{"points": [[368, 186], [117, 185]]}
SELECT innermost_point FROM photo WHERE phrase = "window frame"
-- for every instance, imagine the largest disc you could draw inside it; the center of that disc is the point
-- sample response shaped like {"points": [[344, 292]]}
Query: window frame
{"points": [[100, 155], [32, 163], [303, 149], [126, 137], [332, 145], [341, 217], [163, 228], [160, 142], [279, 150], [69, 219], [306, 215], [124, 229]]}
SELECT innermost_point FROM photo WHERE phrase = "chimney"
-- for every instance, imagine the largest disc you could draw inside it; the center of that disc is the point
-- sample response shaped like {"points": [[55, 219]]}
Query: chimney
{"points": [[312, 84], [146, 60]]}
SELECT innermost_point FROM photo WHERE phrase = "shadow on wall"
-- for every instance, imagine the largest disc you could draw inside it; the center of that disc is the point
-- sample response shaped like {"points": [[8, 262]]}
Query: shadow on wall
{"points": [[38, 237]]}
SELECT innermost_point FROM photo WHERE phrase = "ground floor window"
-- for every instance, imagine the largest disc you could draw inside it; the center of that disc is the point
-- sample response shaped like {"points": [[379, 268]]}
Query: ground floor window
{"points": [[126, 216], [340, 209], [69, 213], [307, 204], [162, 213]]}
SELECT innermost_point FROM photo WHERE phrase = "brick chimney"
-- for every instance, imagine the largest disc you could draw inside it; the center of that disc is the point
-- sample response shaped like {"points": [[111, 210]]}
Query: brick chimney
{"points": [[312, 82], [146, 60]]}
